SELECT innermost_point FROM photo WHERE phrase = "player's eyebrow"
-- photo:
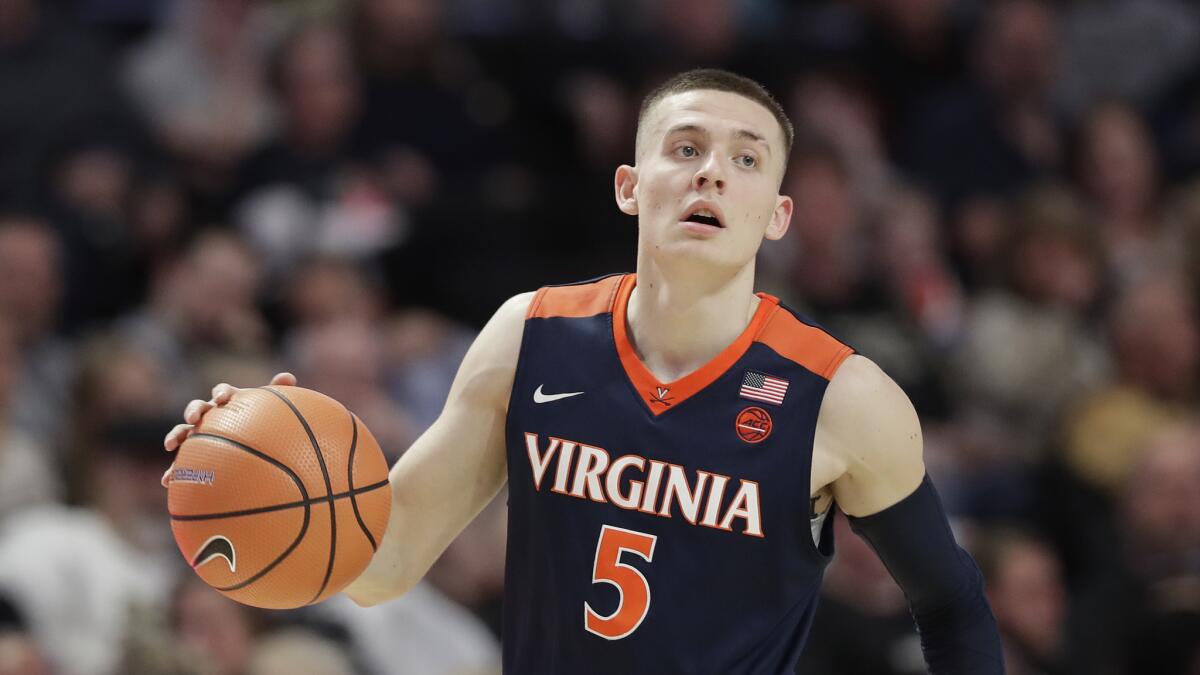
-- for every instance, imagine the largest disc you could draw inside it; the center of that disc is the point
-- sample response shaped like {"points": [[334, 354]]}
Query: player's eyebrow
{"points": [[751, 136], [692, 128]]}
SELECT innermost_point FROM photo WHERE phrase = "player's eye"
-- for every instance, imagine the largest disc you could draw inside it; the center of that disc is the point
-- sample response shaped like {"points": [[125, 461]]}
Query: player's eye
{"points": [[687, 151], [748, 161]]}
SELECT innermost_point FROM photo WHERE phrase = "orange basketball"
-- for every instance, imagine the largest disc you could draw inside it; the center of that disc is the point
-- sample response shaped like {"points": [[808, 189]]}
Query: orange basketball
{"points": [[279, 498]]}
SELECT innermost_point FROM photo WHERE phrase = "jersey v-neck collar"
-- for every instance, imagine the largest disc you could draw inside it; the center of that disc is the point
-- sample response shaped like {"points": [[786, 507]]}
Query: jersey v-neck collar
{"points": [[659, 397]]}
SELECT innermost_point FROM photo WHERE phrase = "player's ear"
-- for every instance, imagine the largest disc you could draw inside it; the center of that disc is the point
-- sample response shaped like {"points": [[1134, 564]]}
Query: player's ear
{"points": [[780, 218], [625, 186]]}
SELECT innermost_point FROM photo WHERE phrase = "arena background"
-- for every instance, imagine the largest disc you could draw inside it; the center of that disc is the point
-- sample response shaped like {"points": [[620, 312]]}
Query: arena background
{"points": [[996, 201]]}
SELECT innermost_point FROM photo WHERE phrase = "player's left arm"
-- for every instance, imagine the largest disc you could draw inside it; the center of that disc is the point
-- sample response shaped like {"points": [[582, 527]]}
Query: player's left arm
{"points": [[869, 424]]}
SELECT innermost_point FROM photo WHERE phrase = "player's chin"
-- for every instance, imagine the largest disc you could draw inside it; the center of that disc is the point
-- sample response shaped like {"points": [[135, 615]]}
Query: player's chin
{"points": [[699, 251]]}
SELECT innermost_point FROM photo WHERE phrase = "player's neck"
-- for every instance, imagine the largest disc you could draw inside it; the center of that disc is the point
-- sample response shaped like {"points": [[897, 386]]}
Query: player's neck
{"points": [[679, 324]]}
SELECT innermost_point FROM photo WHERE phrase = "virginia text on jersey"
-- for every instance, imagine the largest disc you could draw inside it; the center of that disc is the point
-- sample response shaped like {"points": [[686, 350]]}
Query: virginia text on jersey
{"points": [[660, 527]]}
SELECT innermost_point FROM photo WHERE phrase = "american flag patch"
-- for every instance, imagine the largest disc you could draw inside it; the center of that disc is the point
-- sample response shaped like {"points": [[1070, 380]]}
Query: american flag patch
{"points": [[764, 388]]}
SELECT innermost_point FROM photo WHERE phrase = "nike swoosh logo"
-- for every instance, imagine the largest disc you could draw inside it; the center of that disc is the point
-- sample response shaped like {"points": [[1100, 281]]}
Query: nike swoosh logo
{"points": [[216, 547], [539, 397]]}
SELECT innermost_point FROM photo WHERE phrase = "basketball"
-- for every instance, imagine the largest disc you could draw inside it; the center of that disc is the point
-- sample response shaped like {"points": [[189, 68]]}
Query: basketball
{"points": [[279, 498]]}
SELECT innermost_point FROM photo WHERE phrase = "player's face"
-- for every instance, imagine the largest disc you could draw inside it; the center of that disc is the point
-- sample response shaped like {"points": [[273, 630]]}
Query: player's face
{"points": [[706, 184]]}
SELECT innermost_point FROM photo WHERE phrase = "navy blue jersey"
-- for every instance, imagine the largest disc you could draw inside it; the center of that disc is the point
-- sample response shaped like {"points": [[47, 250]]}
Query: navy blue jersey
{"points": [[660, 527]]}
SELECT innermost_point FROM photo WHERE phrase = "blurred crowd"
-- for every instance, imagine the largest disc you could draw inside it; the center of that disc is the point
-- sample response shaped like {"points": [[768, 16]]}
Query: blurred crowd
{"points": [[996, 200]]}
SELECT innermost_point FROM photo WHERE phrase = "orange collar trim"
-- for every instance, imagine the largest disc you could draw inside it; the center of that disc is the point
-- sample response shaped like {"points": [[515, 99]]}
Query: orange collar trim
{"points": [[660, 397]]}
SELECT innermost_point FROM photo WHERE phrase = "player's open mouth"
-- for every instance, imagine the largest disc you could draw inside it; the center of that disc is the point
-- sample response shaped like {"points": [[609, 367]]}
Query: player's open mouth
{"points": [[705, 215]]}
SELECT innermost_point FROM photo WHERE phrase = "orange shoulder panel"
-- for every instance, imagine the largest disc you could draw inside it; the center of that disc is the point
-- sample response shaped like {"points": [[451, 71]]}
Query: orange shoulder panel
{"points": [[581, 300], [807, 345]]}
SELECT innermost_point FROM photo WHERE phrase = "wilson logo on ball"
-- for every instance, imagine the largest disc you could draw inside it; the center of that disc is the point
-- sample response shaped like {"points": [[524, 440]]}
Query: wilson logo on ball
{"points": [[753, 425], [199, 476]]}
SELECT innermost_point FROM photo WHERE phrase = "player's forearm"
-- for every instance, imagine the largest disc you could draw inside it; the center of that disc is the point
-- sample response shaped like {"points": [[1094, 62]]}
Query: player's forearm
{"points": [[943, 585], [389, 575], [961, 637], [437, 489]]}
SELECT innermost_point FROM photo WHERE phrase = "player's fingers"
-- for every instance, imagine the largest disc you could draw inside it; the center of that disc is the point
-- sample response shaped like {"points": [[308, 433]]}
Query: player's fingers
{"points": [[222, 393], [166, 478], [285, 379], [195, 410], [176, 436]]}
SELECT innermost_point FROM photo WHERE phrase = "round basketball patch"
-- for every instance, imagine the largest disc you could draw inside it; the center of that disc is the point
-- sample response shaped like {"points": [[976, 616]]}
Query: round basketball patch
{"points": [[753, 425]]}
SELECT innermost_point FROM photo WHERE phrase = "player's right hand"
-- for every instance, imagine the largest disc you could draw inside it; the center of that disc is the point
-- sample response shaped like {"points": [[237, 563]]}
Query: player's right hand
{"points": [[195, 410]]}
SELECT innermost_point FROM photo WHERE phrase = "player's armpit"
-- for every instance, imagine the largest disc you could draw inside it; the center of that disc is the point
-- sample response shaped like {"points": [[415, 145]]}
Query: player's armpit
{"points": [[455, 468]]}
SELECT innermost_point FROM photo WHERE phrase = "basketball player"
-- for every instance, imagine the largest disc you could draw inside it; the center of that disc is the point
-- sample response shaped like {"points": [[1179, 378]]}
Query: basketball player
{"points": [[672, 441]]}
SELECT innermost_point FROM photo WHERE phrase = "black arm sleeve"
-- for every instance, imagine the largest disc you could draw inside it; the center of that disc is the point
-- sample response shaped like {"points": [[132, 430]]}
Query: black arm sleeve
{"points": [[942, 583]]}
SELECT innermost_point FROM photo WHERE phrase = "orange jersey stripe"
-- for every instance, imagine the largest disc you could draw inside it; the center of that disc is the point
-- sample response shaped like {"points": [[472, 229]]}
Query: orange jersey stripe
{"points": [[578, 301], [807, 345]]}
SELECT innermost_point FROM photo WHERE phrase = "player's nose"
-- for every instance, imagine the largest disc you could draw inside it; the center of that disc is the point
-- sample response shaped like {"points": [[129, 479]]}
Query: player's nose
{"points": [[709, 175]]}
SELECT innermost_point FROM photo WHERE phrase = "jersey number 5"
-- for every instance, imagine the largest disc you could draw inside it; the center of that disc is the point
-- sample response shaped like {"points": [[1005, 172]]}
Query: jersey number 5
{"points": [[634, 590]]}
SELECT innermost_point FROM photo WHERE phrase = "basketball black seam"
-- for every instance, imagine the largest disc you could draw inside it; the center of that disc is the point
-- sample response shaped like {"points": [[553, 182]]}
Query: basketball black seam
{"points": [[350, 483], [261, 573], [303, 493], [265, 457], [278, 507], [328, 489]]}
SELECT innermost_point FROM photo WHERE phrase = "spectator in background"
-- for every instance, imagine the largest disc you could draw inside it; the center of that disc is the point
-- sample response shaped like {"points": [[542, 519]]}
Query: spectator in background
{"points": [[1027, 349], [431, 110], [690, 33], [862, 626], [200, 79], [65, 81], [328, 289], [912, 49], [304, 192], [1155, 342], [158, 215], [1119, 173], [31, 279], [28, 472], [297, 651], [19, 654], [422, 633], [345, 360], [1001, 133], [1025, 587], [599, 110], [471, 569], [79, 573], [822, 264], [908, 250], [423, 350], [870, 277], [831, 107], [420, 349], [920, 304], [211, 633], [201, 308], [1140, 613], [87, 193], [1098, 38]]}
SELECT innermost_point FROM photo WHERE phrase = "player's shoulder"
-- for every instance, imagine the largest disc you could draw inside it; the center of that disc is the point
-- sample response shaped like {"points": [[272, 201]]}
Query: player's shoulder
{"points": [[503, 331], [867, 409], [486, 373], [803, 341], [574, 300], [580, 299]]}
